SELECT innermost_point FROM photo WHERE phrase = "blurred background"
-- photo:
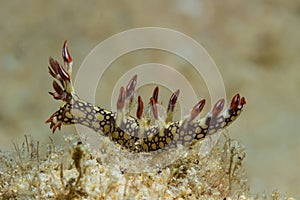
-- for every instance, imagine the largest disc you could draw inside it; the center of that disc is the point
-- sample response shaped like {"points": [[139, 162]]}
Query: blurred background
{"points": [[255, 45]]}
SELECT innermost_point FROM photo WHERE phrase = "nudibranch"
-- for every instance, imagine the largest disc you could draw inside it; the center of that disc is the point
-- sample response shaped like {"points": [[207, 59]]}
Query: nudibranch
{"points": [[145, 132]]}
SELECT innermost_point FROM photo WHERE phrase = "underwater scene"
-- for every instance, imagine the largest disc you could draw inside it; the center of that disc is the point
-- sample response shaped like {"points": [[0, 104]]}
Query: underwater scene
{"points": [[192, 99]]}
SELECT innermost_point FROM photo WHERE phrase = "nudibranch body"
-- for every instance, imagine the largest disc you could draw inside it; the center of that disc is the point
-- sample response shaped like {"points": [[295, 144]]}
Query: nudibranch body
{"points": [[140, 133]]}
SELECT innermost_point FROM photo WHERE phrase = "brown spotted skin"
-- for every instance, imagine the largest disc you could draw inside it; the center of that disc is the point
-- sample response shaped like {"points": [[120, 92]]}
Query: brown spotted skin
{"points": [[135, 133]]}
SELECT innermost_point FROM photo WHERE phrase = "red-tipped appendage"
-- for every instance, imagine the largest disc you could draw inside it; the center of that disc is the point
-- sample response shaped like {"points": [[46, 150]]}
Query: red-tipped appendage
{"points": [[54, 124], [237, 103], [154, 108], [57, 71], [59, 92], [57, 88], [218, 107], [121, 99], [243, 101], [197, 109], [173, 100], [153, 102], [140, 108], [131, 87], [53, 69], [155, 94], [66, 55]]}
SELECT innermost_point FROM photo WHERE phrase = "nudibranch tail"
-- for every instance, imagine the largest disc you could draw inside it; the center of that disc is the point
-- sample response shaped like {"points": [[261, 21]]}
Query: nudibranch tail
{"points": [[147, 131]]}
